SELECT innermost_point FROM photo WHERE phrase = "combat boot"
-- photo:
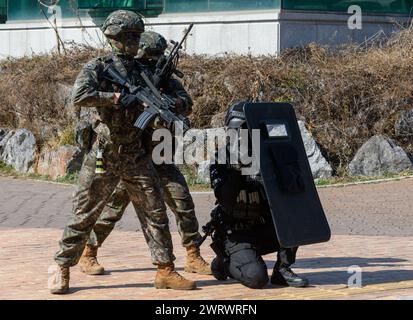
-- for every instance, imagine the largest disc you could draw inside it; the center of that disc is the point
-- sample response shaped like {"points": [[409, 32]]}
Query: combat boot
{"points": [[195, 263], [89, 263], [167, 278], [59, 280], [284, 276]]}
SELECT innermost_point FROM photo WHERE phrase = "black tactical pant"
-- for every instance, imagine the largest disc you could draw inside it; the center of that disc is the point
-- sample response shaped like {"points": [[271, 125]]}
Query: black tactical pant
{"points": [[246, 265]]}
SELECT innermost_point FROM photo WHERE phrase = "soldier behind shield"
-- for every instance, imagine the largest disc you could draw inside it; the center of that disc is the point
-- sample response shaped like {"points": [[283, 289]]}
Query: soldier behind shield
{"points": [[244, 230]]}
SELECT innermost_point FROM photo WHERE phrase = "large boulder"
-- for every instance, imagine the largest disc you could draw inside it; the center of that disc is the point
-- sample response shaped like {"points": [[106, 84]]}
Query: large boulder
{"points": [[404, 124], [58, 163], [5, 135], [320, 168], [20, 151], [379, 156]]}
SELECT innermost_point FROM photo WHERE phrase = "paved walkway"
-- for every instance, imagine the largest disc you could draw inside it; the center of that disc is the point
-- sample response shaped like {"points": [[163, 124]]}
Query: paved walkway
{"points": [[372, 209], [386, 264], [372, 227]]}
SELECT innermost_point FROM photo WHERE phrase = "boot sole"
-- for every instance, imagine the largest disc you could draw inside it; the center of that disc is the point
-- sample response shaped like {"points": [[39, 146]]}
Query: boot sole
{"points": [[303, 285], [285, 284], [189, 270], [165, 286], [58, 291], [93, 273]]}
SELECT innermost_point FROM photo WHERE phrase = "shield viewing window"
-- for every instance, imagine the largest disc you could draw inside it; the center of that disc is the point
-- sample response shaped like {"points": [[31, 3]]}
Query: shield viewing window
{"points": [[277, 130]]}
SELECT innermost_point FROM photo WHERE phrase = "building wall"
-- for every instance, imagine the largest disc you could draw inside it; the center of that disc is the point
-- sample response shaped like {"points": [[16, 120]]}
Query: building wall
{"points": [[242, 32], [368, 6], [214, 33], [301, 28]]}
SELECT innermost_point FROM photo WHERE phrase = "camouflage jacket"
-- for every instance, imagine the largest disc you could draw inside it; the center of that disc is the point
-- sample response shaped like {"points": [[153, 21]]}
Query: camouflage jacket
{"points": [[113, 123], [94, 96]]}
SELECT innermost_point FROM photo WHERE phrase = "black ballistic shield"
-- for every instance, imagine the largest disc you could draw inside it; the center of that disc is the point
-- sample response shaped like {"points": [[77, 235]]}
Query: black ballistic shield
{"points": [[296, 209]]}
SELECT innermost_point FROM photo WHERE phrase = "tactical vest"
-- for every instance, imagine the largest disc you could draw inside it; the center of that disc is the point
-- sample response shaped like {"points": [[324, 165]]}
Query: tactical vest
{"points": [[249, 207], [118, 120]]}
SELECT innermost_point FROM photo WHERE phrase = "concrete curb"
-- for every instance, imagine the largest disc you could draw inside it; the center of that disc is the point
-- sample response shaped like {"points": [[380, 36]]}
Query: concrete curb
{"points": [[339, 185]]}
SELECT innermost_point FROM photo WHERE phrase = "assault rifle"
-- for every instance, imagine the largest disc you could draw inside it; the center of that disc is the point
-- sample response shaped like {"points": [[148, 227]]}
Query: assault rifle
{"points": [[213, 225], [167, 66], [216, 228], [155, 103]]}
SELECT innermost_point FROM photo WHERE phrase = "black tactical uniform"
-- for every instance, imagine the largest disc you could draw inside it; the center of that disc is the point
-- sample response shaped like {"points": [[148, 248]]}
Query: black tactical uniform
{"points": [[245, 230]]}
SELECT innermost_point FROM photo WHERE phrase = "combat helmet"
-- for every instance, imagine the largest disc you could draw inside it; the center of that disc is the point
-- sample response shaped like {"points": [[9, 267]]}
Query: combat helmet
{"points": [[151, 43], [121, 21]]}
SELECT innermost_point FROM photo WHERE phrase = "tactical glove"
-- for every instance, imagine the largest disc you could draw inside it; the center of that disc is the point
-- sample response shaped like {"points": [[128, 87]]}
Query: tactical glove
{"points": [[128, 100], [179, 106]]}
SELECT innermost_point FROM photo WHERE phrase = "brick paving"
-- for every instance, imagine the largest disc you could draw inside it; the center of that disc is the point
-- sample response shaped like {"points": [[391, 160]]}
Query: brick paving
{"points": [[372, 226], [386, 262]]}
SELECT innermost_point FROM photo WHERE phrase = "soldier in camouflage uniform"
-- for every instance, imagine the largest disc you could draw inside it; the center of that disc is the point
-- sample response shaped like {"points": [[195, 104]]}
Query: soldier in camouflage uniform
{"points": [[175, 190], [119, 144]]}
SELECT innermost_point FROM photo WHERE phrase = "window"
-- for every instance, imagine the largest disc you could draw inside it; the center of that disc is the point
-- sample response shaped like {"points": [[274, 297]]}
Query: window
{"points": [[146, 7], [172, 6], [3, 11], [369, 6], [32, 9]]}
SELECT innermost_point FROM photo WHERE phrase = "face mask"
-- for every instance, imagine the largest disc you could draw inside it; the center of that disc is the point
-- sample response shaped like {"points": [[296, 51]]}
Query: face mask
{"points": [[127, 43], [130, 38]]}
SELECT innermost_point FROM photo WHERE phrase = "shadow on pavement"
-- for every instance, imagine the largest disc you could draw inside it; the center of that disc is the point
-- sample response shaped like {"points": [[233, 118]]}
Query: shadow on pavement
{"points": [[117, 286], [110, 271], [200, 284], [332, 278], [368, 277], [343, 262]]}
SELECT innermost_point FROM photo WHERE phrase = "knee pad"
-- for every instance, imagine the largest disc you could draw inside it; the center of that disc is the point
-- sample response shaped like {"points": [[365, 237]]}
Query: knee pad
{"points": [[254, 275], [247, 266]]}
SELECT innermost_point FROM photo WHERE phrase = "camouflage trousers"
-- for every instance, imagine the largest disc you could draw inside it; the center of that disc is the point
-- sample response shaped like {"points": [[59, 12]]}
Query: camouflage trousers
{"points": [[93, 192], [176, 195]]}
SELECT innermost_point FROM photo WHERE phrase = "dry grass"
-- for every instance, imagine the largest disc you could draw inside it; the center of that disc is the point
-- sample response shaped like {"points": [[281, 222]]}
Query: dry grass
{"points": [[29, 91], [345, 96]]}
